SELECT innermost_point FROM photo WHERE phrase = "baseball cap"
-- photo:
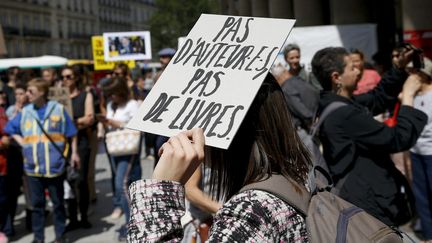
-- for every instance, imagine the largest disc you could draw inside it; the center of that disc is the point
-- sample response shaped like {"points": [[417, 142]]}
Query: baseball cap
{"points": [[167, 52]]}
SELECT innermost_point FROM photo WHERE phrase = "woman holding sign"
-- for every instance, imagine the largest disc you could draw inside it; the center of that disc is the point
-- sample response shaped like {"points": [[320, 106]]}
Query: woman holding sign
{"points": [[265, 144]]}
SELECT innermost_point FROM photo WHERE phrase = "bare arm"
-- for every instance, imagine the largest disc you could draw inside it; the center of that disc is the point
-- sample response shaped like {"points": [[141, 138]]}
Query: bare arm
{"points": [[88, 117], [197, 197], [75, 159]]}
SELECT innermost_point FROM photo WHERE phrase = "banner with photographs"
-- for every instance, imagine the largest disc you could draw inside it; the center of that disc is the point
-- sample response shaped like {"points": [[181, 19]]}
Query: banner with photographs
{"points": [[99, 58], [119, 46]]}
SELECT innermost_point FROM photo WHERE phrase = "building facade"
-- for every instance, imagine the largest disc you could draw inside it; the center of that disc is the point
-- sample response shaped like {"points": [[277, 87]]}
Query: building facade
{"points": [[64, 27], [396, 19]]}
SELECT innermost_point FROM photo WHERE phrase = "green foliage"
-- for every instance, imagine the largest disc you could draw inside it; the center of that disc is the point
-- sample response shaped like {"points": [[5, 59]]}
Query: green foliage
{"points": [[175, 18]]}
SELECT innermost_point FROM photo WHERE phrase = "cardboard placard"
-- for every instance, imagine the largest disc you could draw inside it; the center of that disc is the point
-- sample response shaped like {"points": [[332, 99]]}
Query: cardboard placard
{"points": [[213, 78], [99, 58], [119, 46], [62, 96]]}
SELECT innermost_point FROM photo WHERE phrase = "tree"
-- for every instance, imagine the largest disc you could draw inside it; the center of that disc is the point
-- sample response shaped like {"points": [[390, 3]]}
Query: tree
{"points": [[175, 18]]}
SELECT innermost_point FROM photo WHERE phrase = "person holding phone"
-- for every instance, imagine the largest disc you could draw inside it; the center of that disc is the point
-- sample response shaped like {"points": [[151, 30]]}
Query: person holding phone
{"points": [[126, 168]]}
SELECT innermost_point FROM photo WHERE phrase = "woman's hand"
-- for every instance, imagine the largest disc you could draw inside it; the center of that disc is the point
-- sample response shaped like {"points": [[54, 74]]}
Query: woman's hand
{"points": [[180, 156], [75, 161]]}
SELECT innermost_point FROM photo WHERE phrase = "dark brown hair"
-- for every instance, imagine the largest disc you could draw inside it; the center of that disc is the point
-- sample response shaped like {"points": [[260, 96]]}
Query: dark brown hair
{"points": [[325, 62], [124, 69], [117, 86], [266, 143], [78, 74]]}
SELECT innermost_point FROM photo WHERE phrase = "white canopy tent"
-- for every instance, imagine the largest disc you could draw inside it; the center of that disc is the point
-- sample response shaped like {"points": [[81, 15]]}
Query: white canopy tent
{"points": [[314, 38], [33, 62]]}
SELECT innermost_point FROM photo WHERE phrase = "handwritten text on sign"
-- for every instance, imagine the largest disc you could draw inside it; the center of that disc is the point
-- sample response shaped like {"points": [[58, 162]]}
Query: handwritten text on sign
{"points": [[213, 78]]}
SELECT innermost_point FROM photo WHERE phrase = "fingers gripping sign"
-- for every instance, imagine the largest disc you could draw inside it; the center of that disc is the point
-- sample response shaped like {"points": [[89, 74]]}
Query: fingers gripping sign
{"points": [[180, 156]]}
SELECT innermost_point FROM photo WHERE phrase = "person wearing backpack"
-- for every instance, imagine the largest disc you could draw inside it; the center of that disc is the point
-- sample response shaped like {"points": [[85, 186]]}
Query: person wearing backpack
{"points": [[356, 147], [265, 144]]}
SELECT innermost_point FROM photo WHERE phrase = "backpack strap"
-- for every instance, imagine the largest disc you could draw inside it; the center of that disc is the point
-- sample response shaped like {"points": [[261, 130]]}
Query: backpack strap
{"points": [[324, 114], [285, 189]]}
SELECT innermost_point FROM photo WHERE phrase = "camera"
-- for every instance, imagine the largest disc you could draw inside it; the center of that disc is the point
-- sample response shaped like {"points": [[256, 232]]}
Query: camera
{"points": [[417, 58]]}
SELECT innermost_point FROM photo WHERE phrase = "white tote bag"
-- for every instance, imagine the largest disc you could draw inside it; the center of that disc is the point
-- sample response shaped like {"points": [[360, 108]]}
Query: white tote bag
{"points": [[123, 142]]}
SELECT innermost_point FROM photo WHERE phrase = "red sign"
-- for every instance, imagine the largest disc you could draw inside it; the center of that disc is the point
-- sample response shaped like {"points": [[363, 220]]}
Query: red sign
{"points": [[421, 39]]}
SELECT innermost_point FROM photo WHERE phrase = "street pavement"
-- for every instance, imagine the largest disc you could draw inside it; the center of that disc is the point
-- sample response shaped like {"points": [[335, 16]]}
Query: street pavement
{"points": [[104, 228]]}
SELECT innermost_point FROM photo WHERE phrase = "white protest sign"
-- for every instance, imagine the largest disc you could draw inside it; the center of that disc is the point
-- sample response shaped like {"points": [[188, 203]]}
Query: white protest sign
{"points": [[213, 78]]}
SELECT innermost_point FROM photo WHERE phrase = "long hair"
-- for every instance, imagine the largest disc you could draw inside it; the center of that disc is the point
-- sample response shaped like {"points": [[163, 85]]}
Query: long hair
{"points": [[117, 86], [79, 75], [266, 143]]}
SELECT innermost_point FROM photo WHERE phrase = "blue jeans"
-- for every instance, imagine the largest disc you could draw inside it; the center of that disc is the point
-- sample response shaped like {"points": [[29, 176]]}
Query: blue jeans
{"points": [[127, 170], [37, 186], [422, 188]]}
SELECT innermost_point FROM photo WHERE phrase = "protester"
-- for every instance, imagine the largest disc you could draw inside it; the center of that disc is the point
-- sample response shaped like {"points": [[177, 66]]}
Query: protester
{"points": [[127, 168], [14, 178], [301, 97], [368, 78], [266, 143], [402, 159], [143, 85], [20, 101], [201, 205], [292, 57], [5, 191], [357, 147], [13, 78], [83, 117], [122, 70], [50, 75], [421, 153], [165, 56], [31, 128]]}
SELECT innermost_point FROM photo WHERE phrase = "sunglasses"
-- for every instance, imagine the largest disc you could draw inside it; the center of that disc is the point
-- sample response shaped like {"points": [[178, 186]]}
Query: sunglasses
{"points": [[116, 74], [66, 77]]}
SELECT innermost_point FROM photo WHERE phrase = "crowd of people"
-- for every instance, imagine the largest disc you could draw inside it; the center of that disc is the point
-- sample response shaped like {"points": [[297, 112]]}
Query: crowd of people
{"points": [[46, 148]]}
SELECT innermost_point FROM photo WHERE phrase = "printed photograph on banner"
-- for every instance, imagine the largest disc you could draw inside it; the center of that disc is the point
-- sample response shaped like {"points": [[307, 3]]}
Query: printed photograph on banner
{"points": [[213, 77], [120, 46], [99, 58]]}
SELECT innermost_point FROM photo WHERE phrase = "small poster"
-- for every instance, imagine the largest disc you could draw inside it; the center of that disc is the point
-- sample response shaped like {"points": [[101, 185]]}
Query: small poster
{"points": [[62, 96], [213, 78], [120, 46], [99, 58]]}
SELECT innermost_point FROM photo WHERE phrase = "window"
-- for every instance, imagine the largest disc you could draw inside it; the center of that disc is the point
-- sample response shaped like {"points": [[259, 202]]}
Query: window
{"points": [[47, 24], [17, 48], [36, 22], [14, 19], [71, 27], [26, 21]]}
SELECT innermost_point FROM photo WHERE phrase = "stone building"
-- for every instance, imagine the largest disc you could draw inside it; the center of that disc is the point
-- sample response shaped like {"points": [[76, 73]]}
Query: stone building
{"points": [[396, 19], [65, 27]]}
